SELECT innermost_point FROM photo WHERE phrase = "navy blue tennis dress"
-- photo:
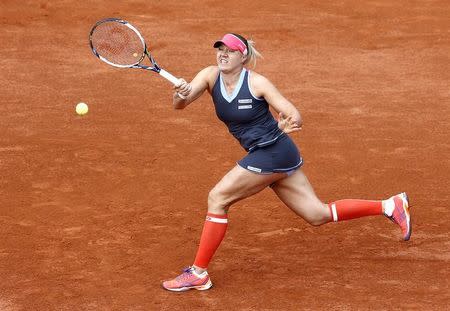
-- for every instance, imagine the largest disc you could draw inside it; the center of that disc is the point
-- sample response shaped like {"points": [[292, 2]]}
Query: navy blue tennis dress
{"points": [[250, 121]]}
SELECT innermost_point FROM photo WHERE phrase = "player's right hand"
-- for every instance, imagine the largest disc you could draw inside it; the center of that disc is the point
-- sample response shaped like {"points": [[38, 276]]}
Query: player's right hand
{"points": [[183, 88]]}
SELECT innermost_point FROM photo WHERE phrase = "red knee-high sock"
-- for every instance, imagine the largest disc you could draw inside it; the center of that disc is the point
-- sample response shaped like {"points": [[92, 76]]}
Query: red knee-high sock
{"points": [[350, 209], [212, 235]]}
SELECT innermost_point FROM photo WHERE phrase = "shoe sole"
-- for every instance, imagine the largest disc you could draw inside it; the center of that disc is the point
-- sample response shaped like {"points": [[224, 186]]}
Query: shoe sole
{"points": [[405, 200], [206, 286]]}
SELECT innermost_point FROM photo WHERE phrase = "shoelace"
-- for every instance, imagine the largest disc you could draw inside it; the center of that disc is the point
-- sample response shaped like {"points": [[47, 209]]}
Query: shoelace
{"points": [[187, 272], [399, 215]]}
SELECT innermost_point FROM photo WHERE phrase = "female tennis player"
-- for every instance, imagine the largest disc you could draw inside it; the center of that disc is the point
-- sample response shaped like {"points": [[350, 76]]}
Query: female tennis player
{"points": [[242, 99]]}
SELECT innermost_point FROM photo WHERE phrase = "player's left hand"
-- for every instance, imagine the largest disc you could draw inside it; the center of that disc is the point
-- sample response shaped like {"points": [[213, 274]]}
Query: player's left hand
{"points": [[287, 125]]}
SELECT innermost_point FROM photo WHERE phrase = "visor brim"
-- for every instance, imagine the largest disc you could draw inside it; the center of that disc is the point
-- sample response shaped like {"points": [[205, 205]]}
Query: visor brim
{"points": [[218, 43]]}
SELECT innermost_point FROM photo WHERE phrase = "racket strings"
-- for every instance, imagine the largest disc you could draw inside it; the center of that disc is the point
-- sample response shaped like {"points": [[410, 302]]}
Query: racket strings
{"points": [[117, 43]]}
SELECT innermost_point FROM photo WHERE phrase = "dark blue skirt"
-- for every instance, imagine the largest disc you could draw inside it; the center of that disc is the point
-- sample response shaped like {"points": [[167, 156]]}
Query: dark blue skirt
{"points": [[280, 157]]}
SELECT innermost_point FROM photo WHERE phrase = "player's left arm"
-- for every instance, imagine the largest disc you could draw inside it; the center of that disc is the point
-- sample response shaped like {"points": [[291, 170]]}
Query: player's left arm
{"points": [[289, 118]]}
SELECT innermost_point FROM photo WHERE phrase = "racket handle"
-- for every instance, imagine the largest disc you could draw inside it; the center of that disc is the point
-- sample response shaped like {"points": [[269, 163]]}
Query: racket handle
{"points": [[175, 81]]}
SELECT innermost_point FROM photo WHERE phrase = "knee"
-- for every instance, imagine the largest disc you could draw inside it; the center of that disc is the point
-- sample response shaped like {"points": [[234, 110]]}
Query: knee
{"points": [[317, 221], [217, 202], [320, 217]]}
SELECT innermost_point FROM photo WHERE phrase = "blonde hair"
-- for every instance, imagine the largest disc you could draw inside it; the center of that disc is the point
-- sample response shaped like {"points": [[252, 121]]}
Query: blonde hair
{"points": [[252, 55]]}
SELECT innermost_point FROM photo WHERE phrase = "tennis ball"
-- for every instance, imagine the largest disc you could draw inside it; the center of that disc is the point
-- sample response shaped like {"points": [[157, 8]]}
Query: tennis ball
{"points": [[81, 109]]}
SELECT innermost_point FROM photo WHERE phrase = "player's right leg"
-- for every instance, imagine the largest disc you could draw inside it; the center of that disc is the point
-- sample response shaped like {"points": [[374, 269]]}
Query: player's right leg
{"points": [[236, 185]]}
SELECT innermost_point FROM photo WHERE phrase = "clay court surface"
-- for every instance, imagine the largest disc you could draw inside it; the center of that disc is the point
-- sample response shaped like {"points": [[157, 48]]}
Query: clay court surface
{"points": [[96, 211]]}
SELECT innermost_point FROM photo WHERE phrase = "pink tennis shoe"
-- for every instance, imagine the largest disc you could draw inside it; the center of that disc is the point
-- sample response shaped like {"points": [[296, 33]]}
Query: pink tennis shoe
{"points": [[187, 280], [400, 214]]}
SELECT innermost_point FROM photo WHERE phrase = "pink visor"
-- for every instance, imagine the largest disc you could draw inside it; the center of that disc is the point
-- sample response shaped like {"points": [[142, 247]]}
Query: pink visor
{"points": [[234, 42]]}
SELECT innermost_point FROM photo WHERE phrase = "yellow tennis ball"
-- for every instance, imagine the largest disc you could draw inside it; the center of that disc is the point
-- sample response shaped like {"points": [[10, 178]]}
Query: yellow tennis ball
{"points": [[81, 109]]}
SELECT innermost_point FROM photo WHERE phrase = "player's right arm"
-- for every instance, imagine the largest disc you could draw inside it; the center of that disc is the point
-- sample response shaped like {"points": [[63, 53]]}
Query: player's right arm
{"points": [[204, 80]]}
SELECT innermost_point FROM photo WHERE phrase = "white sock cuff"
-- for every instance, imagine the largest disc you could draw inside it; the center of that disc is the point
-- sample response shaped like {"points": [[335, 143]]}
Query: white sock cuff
{"points": [[334, 212], [216, 219], [201, 275], [389, 206]]}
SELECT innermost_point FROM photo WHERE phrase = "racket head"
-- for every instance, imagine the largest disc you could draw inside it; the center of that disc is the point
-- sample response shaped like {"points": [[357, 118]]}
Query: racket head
{"points": [[117, 43]]}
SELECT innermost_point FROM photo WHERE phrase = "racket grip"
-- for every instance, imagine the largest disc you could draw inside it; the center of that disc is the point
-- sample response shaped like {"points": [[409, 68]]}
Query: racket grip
{"points": [[175, 81]]}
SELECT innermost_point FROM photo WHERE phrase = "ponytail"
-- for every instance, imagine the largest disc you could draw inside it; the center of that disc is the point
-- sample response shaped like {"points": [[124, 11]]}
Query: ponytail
{"points": [[252, 55]]}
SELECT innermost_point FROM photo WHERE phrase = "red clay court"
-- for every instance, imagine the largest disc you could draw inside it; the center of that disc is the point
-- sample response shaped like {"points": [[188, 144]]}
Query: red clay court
{"points": [[96, 211]]}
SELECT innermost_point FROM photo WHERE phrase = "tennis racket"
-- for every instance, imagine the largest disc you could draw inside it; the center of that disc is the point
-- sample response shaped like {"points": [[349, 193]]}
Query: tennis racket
{"points": [[120, 44]]}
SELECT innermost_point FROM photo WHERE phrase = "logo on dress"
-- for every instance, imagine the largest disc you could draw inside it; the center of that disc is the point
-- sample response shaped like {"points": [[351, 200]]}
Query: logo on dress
{"points": [[245, 107], [254, 169], [245, 101]]}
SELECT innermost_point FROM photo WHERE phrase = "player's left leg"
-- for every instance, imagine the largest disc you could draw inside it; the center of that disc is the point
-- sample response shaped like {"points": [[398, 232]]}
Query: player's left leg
{"points": [[297, 193]]}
